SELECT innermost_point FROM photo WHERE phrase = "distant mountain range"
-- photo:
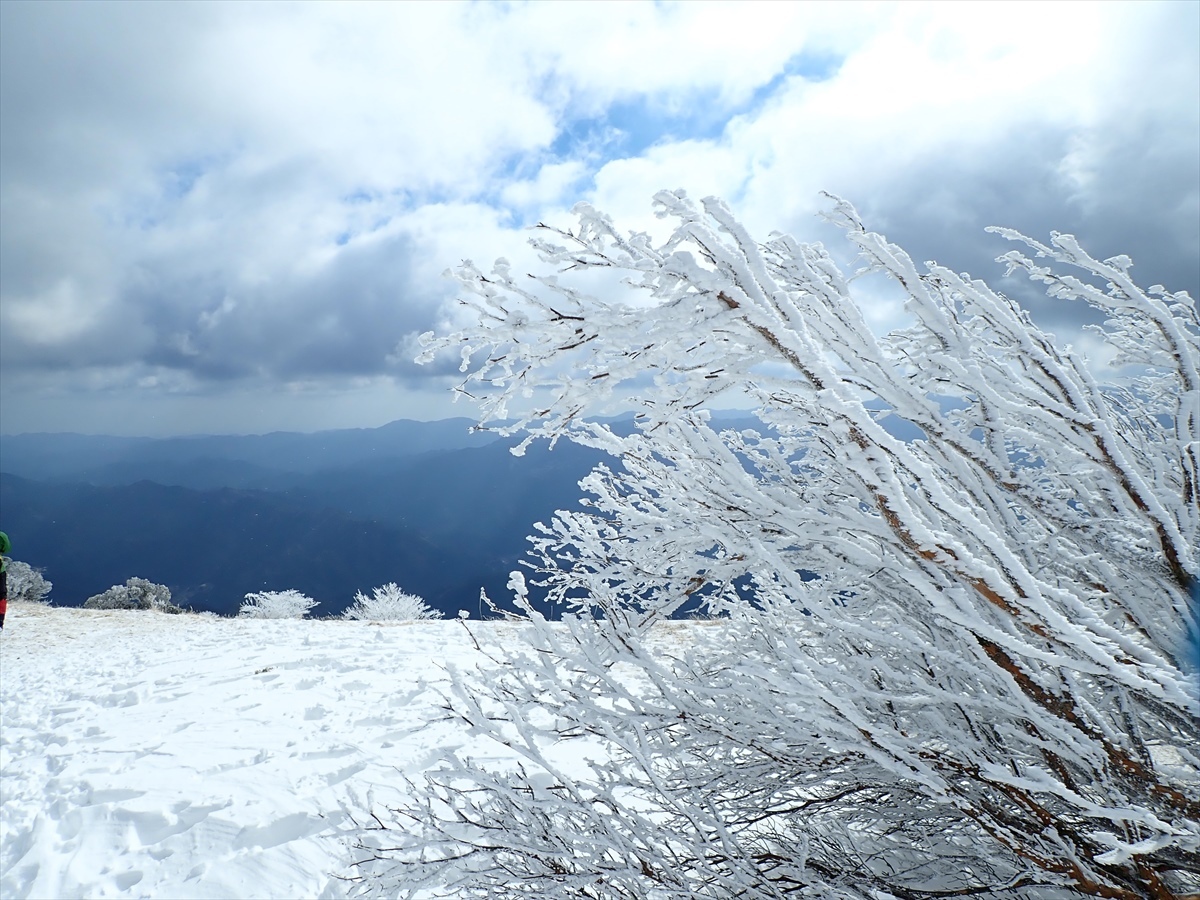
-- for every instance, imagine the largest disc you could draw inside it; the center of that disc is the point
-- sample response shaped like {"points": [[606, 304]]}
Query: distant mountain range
{"points": [[433, 506], [114, 460]]}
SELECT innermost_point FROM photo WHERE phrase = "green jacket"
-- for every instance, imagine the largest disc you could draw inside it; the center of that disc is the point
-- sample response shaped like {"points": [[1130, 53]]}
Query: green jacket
{"points": [[5, 546]]}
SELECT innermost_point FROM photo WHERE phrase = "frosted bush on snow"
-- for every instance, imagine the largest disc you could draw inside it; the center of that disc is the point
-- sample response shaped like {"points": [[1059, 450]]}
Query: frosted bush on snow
{"points": [[986, 691], [25, 583], [290, 604], [389, 603], [136, 593]]}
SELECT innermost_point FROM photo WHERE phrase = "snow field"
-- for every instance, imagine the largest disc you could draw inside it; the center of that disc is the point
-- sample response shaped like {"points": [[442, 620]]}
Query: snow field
{"points": [[151, 755]]}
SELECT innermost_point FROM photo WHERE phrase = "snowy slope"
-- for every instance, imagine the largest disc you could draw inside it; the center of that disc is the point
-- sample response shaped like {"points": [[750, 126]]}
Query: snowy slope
{"points": [[149, 755]]}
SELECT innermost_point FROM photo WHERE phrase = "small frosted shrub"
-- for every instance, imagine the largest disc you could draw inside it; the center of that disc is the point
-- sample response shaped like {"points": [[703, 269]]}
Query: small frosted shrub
{"points": [[289, 604], [136, 593], [25, 583], [389, 603]]}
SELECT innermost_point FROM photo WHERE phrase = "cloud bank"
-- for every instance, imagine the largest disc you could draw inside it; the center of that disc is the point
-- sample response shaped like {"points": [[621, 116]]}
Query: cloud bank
{"points": [[234, 217]]}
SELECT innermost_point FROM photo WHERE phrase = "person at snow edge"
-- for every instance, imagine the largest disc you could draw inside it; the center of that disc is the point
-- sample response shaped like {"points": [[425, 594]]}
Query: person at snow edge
{"points": [[5, 546]]}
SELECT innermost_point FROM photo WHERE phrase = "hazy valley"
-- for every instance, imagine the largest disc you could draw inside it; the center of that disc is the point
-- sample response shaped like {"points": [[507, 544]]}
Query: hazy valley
{"points": [[433, 506]]}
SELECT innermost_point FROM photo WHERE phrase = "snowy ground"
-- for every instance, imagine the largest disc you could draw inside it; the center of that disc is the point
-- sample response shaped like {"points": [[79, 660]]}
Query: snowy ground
{"points": [[150, 755]]}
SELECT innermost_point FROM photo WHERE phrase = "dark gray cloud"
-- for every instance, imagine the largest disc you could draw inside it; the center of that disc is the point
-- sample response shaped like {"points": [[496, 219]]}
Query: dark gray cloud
{"points": [[1141, 199], [342, 320]]}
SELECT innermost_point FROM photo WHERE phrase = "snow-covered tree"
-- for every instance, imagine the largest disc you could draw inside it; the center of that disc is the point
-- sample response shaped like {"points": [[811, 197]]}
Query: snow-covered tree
{"points": [[986, 689], [289, 604], [25, 583], [135, 593], [389, 603]]}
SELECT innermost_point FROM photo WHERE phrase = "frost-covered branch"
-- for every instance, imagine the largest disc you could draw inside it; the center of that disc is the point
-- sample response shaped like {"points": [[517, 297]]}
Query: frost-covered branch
{"points": [[950, 666]]}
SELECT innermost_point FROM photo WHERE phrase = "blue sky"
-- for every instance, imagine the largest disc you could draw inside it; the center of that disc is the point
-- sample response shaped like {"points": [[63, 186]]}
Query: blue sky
{"points": [[233, 217]]}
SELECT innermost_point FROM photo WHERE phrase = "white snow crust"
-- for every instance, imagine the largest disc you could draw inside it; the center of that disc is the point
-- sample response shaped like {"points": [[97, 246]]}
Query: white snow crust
{"points": [[181, 756]]}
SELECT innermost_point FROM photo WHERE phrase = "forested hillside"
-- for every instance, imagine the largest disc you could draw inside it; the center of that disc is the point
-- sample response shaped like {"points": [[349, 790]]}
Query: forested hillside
{"points": [[214, 518]]}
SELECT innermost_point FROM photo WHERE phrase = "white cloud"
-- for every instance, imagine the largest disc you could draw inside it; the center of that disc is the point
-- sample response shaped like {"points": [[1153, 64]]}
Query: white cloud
{"points": [[547, 188], [931, 76], [607, 51], [949, 112]]}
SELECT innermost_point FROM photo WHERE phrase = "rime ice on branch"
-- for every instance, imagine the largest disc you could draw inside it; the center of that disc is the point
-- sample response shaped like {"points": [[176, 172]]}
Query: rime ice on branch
{"points": [[986, 691]]}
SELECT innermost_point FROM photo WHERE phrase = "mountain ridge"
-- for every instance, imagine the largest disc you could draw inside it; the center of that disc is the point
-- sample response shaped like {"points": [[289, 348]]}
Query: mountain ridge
{"points": [[441, 522]]}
